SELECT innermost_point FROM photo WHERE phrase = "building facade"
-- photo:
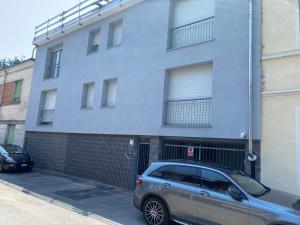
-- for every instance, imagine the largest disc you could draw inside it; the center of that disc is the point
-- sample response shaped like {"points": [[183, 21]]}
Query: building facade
{"points": [[280, 144], [134, 81], [15, 85]]}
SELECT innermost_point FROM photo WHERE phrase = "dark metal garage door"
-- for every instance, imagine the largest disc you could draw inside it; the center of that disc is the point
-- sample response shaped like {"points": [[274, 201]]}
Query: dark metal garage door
{"points": [[230, 154]]}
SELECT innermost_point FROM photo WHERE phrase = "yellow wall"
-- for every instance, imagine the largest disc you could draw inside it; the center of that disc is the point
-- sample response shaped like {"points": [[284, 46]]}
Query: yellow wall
{"points": [[280, 110], [279, 151], [280, 25]]}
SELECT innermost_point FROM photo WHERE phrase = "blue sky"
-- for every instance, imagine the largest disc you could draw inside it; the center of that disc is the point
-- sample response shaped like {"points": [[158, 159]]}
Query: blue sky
{"points": [[18, 19]]}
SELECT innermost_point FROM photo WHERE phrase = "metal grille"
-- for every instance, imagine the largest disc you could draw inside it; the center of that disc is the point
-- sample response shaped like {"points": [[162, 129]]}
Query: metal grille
{"points": [[143, 158], [53, 71], [193, 33], [46, 117], [196, 112], [229, 154]]}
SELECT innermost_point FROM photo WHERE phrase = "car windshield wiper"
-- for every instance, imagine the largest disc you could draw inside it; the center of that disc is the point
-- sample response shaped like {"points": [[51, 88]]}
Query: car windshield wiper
{"points": [[259, 194]]}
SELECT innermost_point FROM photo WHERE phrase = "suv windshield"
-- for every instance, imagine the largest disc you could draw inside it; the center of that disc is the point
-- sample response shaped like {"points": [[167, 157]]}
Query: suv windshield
{"points": [[11, 149], [249, 184]]}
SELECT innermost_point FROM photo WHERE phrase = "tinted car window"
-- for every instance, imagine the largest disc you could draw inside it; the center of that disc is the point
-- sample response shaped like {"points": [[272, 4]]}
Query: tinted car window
{"points": [[160, 173], [181, 174], [214, 181]]}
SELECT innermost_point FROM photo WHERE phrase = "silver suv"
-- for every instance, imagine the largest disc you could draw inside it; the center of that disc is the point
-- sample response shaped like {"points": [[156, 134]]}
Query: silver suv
{"points": [[192, 193]]}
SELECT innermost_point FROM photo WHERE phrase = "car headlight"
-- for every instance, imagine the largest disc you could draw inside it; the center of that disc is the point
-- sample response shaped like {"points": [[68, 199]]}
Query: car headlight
{"points": [[10, 160]]}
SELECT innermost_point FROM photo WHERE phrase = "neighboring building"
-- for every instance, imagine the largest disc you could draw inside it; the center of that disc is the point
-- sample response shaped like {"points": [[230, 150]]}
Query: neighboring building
{"points": [[15, 83], [135, 81], [281, 95]]}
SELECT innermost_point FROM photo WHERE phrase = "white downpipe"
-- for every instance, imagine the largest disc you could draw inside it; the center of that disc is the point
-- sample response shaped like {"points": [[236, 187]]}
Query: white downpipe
{"points": [[252, 157]]}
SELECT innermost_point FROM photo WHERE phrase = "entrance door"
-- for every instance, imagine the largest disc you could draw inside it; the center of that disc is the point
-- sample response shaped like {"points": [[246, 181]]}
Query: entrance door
{"points": [[143, 158], [10, 133]]}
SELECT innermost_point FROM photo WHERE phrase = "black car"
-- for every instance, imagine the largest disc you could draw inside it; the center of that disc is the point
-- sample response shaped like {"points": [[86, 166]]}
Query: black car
{"points": [[13, 157]]}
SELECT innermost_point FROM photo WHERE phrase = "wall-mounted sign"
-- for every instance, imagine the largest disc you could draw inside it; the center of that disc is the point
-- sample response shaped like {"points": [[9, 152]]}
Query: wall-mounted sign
{"points": [[190, 151]]}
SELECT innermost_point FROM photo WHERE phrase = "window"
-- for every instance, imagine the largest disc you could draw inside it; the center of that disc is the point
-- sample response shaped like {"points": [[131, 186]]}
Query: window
{"points": [[48, 107], [193, 22], [115, 34], [10, 133], [189, 96], [214, 181], [17, 92], [109, 93], [180, 174], [94, 40], [54, 63], [88, 96]]}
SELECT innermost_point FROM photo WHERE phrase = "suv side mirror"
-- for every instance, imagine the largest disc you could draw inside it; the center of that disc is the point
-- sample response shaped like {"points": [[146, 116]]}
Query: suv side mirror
{"points": [[235, 193]]}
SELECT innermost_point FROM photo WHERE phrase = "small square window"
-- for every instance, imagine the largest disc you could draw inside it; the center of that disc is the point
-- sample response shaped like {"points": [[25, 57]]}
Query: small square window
{"points": [[109, 93], [94, 40], [88, 96], [115, 34]]}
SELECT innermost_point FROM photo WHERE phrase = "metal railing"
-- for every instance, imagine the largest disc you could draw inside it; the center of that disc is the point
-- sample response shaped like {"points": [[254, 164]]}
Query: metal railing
{"points": [[229, 154], [53, 71], [46, 117], [75, 15], [194, 112], [16, 100], [93, 49], [193, 33]]}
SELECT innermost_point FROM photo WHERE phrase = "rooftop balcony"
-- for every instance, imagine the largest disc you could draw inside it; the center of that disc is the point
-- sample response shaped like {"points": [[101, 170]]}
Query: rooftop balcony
{"points": [[82, 14]]}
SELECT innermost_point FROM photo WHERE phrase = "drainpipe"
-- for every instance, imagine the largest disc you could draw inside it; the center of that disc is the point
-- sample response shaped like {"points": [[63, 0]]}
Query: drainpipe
{"points": [[34, 52], [251, 155]]}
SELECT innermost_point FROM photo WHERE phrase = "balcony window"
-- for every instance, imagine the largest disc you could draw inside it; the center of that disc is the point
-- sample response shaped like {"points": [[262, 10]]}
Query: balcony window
{"points": [[94, 40], [17, 92], [109, 93], [189, 96], [193, 22], [54, 63], [115, 34], [88, 96], [48, 107]]}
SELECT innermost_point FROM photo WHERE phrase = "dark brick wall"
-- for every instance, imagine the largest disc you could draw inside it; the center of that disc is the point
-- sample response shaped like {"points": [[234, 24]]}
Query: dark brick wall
{"points": [[47, 149]]}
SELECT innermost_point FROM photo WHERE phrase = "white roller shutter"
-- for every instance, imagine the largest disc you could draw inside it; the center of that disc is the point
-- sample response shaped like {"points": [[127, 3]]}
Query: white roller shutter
{"points": [[116, 34], [111, 93], [189, 11], [90, 89], [50, 100], [194, 82]]}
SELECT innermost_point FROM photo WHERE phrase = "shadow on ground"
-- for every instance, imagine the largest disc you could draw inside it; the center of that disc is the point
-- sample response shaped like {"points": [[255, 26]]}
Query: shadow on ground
{"points": [[107, 204]]}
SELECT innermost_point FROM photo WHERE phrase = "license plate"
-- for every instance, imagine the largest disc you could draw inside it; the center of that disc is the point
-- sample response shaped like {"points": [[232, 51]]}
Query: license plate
{"points": [[24, 165]]}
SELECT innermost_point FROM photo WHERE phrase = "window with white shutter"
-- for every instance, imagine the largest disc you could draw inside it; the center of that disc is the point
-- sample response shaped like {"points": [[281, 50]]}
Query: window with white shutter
{"points": [[193, 22], [109, 93], [88, 96], [48, 107], [115, 34], [94, 40], [189, 96]]}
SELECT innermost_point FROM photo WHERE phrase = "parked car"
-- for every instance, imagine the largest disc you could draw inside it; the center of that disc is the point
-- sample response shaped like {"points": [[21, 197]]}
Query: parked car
{"points": [[207, 194], [14, 157]]}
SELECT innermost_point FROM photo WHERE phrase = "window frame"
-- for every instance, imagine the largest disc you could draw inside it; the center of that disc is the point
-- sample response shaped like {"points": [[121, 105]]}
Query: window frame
{"points": [[48, 69], [91, 48], [105, 92], [17, 99], [84, 95], [112, 25]]}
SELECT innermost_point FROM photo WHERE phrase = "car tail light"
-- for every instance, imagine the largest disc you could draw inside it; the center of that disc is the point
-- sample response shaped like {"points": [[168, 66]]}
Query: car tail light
{"points": [[138, 182]]}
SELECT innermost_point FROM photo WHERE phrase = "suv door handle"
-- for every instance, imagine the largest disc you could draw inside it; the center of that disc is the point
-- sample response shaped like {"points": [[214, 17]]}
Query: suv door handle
{"points": [[166, 185], [204, 193]]}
